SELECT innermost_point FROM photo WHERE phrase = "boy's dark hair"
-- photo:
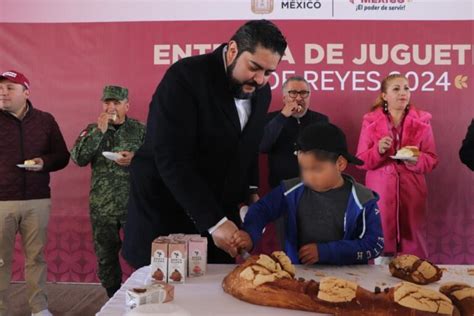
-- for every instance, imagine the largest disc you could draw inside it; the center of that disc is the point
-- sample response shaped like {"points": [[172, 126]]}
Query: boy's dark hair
{"points": [[259, 32], [323, 155]]}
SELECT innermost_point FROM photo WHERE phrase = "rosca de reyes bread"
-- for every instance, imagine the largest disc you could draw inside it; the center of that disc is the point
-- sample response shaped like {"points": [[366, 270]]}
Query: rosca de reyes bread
{"points": [[462, 296], [270, 281], [413, 269]]}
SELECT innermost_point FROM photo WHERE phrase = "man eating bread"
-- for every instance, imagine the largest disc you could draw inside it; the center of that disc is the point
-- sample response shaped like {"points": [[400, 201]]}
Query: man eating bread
{"points": [[117, 133], [32, 146]]}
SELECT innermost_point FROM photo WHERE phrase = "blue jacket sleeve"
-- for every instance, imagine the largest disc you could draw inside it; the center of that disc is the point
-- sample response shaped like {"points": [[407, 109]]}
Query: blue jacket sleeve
{"points": [[271, 132], [368, 245], [265, 211]]}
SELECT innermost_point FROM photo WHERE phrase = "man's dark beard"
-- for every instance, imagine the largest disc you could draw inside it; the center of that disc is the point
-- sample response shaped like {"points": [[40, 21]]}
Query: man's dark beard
{"points": [[236, 86]]}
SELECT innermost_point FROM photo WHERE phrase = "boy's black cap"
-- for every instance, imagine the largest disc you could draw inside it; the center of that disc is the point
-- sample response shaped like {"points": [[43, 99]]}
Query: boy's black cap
{"points": [[327, 137]]}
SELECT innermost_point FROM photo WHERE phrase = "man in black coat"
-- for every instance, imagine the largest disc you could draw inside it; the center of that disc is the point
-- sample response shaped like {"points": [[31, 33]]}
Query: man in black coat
{"points": [[199, 158], [466, 153], [283, 127]]}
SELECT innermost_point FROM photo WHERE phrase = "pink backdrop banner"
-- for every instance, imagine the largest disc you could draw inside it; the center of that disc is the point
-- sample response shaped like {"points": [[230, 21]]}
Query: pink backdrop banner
{"points": [[69, 63]]}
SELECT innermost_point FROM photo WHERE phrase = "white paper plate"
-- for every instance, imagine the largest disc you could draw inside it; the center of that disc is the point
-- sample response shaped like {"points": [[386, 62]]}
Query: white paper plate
{"points": [[29, 166], [404, 158], [111, 155], [166, 309]]}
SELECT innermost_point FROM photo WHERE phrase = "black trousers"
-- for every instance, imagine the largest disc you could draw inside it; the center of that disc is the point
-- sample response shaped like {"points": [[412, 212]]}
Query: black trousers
{"points": [[153, 212]]}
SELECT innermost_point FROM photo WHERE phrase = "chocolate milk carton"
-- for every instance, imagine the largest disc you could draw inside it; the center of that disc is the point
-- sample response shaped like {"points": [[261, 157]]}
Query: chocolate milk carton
{"points": [[176, 236], [197, 256], [185, 237], [177, 261], [159, 259], [152, 294]]}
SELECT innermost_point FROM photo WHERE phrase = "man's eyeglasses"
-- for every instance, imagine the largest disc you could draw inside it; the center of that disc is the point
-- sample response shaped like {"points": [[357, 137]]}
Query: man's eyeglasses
{"points": [[294, 93]]}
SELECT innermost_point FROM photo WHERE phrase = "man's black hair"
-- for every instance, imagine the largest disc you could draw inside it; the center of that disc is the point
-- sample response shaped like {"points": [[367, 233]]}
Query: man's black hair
{"points": [[259, 33]]}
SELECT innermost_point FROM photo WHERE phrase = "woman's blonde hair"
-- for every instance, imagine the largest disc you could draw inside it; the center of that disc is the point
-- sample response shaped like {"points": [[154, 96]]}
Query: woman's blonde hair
{"points": [[379, 102]]}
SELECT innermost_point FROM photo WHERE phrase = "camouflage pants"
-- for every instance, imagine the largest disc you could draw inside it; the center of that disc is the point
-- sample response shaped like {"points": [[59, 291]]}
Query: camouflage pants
{"points": [[107, 245]]}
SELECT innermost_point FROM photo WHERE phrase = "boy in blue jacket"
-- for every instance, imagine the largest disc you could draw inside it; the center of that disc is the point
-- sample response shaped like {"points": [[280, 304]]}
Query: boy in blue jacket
{"points": [[328, 217]]}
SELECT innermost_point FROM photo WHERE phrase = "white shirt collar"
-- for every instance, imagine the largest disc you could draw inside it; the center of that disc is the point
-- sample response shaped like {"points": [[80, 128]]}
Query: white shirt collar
{"points": [[243, 106]]}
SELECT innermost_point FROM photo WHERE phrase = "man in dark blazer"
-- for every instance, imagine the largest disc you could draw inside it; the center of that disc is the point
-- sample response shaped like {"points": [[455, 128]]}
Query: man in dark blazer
{"points": [[199, 158], [283, 128], [466, 153]]}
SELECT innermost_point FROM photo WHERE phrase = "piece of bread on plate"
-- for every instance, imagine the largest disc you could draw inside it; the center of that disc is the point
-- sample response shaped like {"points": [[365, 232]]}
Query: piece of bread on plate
{"points": [[29, 162], [408, 151]]}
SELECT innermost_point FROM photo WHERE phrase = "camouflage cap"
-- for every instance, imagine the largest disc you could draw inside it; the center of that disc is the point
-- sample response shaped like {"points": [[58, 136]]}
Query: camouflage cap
{"points": [[114, 93]]}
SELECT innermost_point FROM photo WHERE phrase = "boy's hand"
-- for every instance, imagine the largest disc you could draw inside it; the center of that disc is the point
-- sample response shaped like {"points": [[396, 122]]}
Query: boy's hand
{"points": [[242, 240], [254, 198], [308, 254]]}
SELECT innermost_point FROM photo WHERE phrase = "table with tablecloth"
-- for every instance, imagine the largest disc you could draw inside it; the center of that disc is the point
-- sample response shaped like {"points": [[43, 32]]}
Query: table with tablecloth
{"points": [[204, 295]]}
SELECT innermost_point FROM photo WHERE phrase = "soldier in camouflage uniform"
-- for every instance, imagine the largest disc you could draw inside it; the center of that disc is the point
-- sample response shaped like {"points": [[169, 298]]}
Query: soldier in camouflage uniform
{"points": [[113, 132]]}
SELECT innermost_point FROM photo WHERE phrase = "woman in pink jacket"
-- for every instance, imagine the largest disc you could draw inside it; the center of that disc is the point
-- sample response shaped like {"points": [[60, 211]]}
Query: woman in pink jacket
{"points": [[392, 124]]}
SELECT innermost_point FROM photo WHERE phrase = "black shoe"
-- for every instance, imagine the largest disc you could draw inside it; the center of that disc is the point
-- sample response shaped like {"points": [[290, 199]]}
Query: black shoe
{"points": [[111, 290]]}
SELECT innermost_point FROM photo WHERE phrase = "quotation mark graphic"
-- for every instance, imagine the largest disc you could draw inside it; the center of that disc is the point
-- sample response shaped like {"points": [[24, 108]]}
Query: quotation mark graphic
{"points": [[460, 81]]}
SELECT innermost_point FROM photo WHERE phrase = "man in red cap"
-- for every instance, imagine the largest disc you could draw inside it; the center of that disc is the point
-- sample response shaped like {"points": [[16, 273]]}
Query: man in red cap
{"points": [[32, 146]]}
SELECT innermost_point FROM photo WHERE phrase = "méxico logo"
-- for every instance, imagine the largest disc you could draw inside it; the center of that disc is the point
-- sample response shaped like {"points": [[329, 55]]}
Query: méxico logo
{"points": [[380, 1], [262, 6], [266, 6], [301, 4]]}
